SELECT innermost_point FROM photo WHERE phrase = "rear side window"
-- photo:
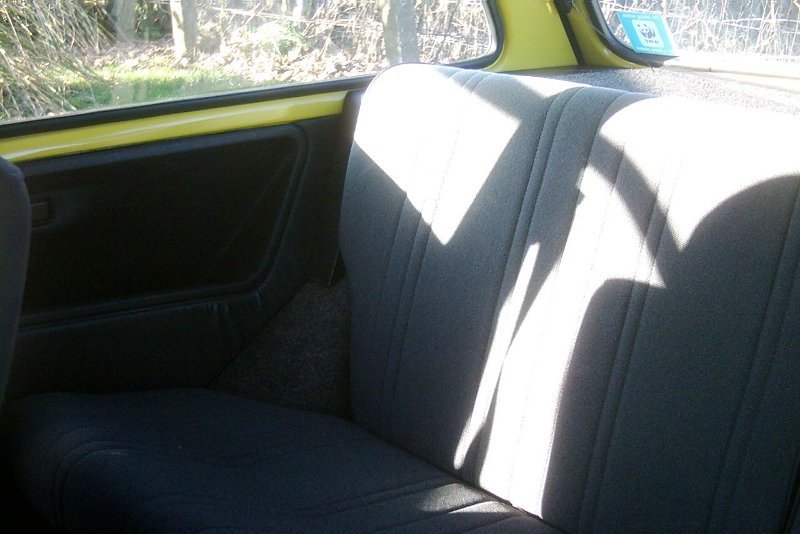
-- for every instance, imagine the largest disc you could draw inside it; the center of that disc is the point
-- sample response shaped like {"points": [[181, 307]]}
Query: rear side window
{"points": [[62, 56], [739, 31]]}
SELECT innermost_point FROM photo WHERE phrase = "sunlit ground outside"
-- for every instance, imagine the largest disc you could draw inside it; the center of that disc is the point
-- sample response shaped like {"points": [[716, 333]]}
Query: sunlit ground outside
{"points": [[60, 56]]}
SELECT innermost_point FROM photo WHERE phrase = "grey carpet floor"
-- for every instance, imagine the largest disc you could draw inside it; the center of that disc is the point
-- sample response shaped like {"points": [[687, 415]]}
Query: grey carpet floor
{"points": [[301, 359]]}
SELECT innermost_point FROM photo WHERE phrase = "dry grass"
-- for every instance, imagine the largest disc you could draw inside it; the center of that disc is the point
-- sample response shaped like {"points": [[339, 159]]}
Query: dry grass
{"points": [[766, 28], [55, 56], [37, 39]]}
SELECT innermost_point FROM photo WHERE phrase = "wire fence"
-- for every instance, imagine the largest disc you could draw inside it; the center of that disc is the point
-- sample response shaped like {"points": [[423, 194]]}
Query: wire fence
{"points": [[769, 29]]}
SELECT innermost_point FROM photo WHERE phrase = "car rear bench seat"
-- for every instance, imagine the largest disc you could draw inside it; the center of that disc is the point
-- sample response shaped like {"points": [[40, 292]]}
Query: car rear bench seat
{"points": [[574, 309]]}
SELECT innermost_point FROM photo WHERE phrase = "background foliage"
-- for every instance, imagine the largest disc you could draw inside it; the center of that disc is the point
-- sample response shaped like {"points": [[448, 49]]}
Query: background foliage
{"points": [[59, 56]]}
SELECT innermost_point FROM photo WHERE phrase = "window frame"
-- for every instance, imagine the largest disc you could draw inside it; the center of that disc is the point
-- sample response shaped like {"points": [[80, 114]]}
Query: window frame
{"points": [[92, 117]]}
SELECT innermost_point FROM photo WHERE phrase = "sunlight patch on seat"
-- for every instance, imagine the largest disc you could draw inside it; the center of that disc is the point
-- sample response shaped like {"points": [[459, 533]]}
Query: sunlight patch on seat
{"points": [[643, 198], [479, 147], [709, 175], [501, 340], [531, 349], [536, 359], [442, 169]]}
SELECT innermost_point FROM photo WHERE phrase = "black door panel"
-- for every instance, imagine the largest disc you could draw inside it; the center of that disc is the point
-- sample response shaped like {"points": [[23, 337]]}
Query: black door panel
{"points": [[166, 217], [152, 266]]}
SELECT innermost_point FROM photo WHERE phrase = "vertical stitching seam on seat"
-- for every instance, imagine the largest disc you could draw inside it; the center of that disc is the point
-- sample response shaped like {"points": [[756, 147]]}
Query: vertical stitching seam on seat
{"points": [[636, 321], [597, 246], [388, 351], [628, 310], [507, 272], [748, 430], [384, 353], [555, 268], [385, 407], [386, 268], [381, 297], [403, 338], [651, 221]]}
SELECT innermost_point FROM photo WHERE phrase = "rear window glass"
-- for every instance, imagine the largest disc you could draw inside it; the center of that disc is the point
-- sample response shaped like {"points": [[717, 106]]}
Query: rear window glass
{"points": [[62, 56], [744, 30]]}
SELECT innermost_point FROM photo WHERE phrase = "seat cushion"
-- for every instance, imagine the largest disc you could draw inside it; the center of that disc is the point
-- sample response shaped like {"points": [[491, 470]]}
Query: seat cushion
{"points": [[196, 459]]}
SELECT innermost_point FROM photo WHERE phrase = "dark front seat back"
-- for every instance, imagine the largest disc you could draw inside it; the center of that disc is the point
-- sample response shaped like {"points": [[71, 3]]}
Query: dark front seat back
{"points": [[15, 230]]}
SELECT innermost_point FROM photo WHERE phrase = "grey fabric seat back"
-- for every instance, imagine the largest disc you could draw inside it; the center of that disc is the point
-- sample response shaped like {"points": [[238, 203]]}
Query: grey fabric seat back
{"points": [[581, 300], [15, 229]]}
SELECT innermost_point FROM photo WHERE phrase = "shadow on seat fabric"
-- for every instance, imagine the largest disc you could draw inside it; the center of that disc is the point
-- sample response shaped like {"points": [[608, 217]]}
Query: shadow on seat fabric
{"points": [[573, 308]]}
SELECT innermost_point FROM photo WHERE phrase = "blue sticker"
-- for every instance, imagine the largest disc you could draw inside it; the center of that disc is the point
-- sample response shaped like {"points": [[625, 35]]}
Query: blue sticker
{"points": [[648, 32]]}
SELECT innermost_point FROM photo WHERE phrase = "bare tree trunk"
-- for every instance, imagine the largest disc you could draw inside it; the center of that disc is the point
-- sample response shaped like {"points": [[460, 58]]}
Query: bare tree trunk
{"points": [[184, 27], [124, 13], [399, 31]]}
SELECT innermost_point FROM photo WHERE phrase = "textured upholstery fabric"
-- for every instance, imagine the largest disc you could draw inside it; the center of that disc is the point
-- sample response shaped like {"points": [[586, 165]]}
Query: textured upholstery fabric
{"points": [[188, 460], [580, 300], [301, 359], [15, 231]]}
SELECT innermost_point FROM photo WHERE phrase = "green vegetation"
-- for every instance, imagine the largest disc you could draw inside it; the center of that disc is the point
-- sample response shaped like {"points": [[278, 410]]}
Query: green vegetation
{"points": [[115, 85], [37, 37], [59, 56]]}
